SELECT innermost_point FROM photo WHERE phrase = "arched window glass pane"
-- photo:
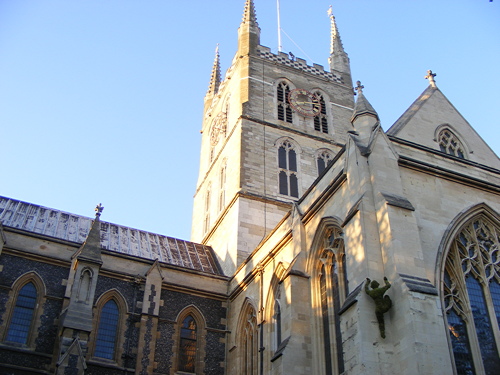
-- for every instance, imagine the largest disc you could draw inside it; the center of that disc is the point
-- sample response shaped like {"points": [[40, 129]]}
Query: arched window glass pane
{"points": [[495, 295], [282, 157], [187, 358], [277, 322], [325, 320], [22, 317], [460, 344], [294, 185], [106, 333], [483, 327], [283, 181], [292, 157], [321, 165]]}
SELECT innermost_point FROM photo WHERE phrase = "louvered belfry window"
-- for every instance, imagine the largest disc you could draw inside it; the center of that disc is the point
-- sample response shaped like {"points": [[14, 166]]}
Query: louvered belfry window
{"points": [[284, 110], [321, 121]]}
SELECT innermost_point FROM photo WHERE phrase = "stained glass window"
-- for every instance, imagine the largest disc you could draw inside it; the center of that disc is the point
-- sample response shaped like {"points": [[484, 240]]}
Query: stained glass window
{"points": [[471, 286], [187, 351], [22, 316], [106, 333]]}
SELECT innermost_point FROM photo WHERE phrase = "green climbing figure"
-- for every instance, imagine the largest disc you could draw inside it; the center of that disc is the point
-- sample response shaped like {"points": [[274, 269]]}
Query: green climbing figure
{"points": [[382, 303]]}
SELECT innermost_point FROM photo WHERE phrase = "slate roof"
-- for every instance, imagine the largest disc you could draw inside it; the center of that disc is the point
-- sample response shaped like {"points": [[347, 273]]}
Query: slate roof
{"points": [[70, 227]]}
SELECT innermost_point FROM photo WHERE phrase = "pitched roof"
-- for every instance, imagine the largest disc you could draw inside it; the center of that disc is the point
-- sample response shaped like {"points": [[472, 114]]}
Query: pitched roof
{"points": [[74, 228]]}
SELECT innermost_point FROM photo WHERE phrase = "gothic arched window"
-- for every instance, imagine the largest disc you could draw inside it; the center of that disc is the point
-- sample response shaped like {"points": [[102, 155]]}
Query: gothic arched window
{"points": [[107, 331], [450, 144], [277, 323], [321, 120], [330, 291], [22, 316], [323, 160], [187, 345], [248, 342], [284, 110], [287, 165], [222, 183], [471, 292], [206, 222]]}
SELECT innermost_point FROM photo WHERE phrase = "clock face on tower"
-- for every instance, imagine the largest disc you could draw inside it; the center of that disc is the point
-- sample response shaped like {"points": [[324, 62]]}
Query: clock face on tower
{"points": [[304, 102], [218, 128]]}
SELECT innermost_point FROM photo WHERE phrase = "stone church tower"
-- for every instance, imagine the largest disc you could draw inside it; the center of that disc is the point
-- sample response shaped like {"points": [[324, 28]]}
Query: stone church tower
{"points": [[261, 151]]}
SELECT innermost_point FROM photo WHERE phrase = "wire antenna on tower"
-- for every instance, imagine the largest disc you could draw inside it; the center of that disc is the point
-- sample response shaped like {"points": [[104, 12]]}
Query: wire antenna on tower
{"points": [[280, 47]]}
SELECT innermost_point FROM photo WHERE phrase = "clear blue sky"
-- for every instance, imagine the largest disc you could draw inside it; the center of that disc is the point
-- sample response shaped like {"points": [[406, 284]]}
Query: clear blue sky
{"points": [[101, 100]]}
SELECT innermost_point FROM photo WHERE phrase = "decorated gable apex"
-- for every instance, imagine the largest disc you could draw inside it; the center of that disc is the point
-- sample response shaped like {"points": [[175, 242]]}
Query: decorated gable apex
{"points": [[432, 121]]}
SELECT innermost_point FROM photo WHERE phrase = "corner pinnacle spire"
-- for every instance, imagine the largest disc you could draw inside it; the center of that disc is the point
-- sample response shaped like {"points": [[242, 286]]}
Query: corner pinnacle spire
{"points": [[249, 31], [215, 79], [91, 248], [363, 106], [338, 59], [249, 15]]}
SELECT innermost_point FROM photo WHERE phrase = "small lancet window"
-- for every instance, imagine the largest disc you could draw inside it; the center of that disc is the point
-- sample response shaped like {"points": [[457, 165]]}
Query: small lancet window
{"points": [[107, 331], [287, 164], [22, 316], [187, 350], [206, 223], [449, 144], [284, 110], [321, 120], [323, 160], [222, 192]]}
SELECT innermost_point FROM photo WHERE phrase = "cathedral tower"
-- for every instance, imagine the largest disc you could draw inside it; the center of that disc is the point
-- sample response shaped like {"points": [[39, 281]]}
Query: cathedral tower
{"points": [[269, 130]]}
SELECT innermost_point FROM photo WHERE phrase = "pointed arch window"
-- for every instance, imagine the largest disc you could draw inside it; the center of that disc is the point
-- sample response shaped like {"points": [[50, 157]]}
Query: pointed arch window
{"points": [[287, 165], [471, 292], [450, 144], [284, 109], [323, 160], [206, 222], [22, 316], [321, 120], [330, 291], [222, 192], [249, 342], [187, 345], [107, 331]]}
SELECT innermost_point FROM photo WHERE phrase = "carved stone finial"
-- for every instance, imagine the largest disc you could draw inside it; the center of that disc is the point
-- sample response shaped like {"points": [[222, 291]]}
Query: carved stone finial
{"points": [[98, 210], [382, 303], [330, 11], [359, 88], [430, 76]]}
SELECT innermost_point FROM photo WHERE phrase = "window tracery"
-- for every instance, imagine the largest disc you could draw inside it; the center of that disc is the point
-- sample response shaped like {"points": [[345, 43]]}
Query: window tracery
{"points": [[471, 286], [249, 342], [323, 160], [330, 290], [450, 144], [287, 165]]}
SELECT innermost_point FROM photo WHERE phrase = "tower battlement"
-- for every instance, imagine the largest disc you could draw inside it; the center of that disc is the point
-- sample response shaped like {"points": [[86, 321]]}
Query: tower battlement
{"points": [[297, 63]]}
